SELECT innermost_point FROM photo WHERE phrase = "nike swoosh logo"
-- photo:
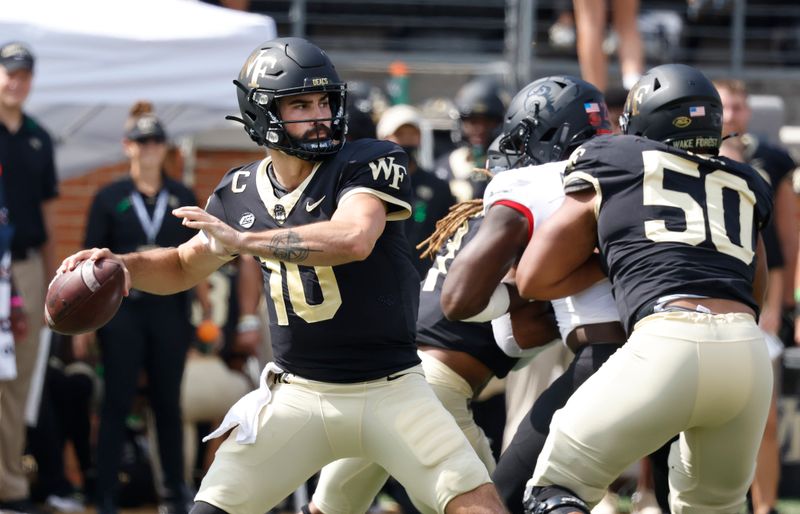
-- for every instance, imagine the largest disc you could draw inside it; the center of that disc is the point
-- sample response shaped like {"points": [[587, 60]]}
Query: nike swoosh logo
{"points": [[311, 206], [395, 377]]}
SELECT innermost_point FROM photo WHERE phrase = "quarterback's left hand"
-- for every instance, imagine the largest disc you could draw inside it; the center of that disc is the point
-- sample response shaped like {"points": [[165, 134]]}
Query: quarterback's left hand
{"points": [[224, 240]]}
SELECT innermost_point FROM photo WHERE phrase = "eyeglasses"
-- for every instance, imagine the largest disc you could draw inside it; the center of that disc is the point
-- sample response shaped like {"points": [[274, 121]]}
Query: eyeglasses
{"points": [[150, 140]]}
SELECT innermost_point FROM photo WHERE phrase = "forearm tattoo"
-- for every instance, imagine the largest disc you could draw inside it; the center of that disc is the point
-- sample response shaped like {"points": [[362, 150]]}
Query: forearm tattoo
{"points": [[289, 247]]}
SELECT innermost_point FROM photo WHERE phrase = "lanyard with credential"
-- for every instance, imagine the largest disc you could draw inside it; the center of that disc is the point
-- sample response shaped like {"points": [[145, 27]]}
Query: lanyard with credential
{"points": [[151, 226]]}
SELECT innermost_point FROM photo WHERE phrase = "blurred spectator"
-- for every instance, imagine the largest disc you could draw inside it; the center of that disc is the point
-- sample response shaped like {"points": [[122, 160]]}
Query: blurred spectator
{"points": [[224, 362], [430, 196], [29, 179], [780, 240], [64, 416], [359, 123], [591, 23], [210, 387], [481, 104], [561, 33], [367, 98], [441, 117], [248, 322], [13, 323], [777, 166], [149, 333]]}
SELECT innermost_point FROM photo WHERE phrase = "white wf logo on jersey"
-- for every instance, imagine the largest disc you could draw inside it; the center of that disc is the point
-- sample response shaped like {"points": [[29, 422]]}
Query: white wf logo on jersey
{"points": [[396, 173]]}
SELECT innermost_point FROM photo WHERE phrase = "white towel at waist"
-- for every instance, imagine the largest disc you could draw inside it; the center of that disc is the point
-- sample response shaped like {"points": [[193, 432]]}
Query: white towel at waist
{"points": [[245, 412]]}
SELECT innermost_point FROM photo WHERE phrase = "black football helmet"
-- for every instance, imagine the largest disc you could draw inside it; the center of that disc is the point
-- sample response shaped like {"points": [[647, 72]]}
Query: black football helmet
{"points": [[552, 116], [480, 97], [367, 98], [675, 104], [283, 67]]}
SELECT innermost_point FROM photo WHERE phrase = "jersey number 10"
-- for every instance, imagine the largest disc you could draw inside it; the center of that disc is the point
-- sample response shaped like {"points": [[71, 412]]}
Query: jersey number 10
{"points": [[331, 296]]}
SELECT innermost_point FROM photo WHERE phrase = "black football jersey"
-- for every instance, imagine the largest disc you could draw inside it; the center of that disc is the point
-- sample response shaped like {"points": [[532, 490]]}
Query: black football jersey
{"points": [[775, 164], [671, 222], [771, 161], [434, 329], [345, 323]]}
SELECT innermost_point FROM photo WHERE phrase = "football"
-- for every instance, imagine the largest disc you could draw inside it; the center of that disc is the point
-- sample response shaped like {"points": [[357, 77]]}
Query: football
{"points": [[86, 298]]}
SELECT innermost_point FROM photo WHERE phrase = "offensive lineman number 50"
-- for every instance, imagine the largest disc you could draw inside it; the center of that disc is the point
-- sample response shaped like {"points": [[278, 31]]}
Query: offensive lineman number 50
{"points": [[654, 194]]}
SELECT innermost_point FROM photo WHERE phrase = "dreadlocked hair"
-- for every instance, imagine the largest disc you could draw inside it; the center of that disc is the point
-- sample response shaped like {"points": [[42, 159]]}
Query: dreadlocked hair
{"points": [[447, 226]]}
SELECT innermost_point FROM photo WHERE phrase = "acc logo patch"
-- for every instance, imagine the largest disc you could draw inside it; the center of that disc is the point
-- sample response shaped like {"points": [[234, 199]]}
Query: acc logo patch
{"points": [[682, 121], [247, 220]]}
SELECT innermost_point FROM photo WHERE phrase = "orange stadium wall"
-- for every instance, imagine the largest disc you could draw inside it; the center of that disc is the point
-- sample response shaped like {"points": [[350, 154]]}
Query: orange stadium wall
{"points": [[76, 194]]}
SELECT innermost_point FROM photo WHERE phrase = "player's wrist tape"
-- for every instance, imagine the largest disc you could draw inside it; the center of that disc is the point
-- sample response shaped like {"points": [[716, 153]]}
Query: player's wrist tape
{"points": [[497, 306], [248, 322]]}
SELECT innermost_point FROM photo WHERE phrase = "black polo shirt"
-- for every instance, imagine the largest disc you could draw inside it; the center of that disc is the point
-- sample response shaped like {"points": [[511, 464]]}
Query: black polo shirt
{"points": [[113, 222], [29, 177], [774, 164]]}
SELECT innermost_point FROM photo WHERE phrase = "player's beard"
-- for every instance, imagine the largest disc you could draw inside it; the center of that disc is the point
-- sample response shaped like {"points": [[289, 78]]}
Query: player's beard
{"points": [[317, 133], [319, 138]]}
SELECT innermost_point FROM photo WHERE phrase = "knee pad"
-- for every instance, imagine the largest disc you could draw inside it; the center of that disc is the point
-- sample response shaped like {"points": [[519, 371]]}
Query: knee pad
{"points": [[552, 500], [205, 508]]}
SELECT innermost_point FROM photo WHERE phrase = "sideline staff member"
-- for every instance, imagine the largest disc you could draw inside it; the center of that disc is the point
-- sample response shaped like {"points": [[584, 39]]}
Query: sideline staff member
{"points": [[29, 177], [149, 332]]}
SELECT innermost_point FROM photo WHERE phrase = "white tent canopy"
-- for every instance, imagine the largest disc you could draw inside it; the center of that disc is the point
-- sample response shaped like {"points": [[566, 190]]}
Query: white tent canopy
{"points": [[95, 58]]}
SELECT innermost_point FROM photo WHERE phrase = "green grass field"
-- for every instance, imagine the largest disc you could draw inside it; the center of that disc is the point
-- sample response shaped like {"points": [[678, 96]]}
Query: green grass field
{"points": [[789, 506], [784, 506]]}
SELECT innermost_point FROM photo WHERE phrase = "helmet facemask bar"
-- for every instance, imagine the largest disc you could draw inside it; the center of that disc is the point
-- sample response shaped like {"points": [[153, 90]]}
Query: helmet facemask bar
{"points": [[624, 121], [516, 142], [498, 160], [268, 129]]}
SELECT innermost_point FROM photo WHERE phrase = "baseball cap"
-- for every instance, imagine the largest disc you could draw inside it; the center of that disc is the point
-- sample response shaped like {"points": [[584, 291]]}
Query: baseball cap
{"points": [[395, 117], [16, 56], [146, 126]]}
